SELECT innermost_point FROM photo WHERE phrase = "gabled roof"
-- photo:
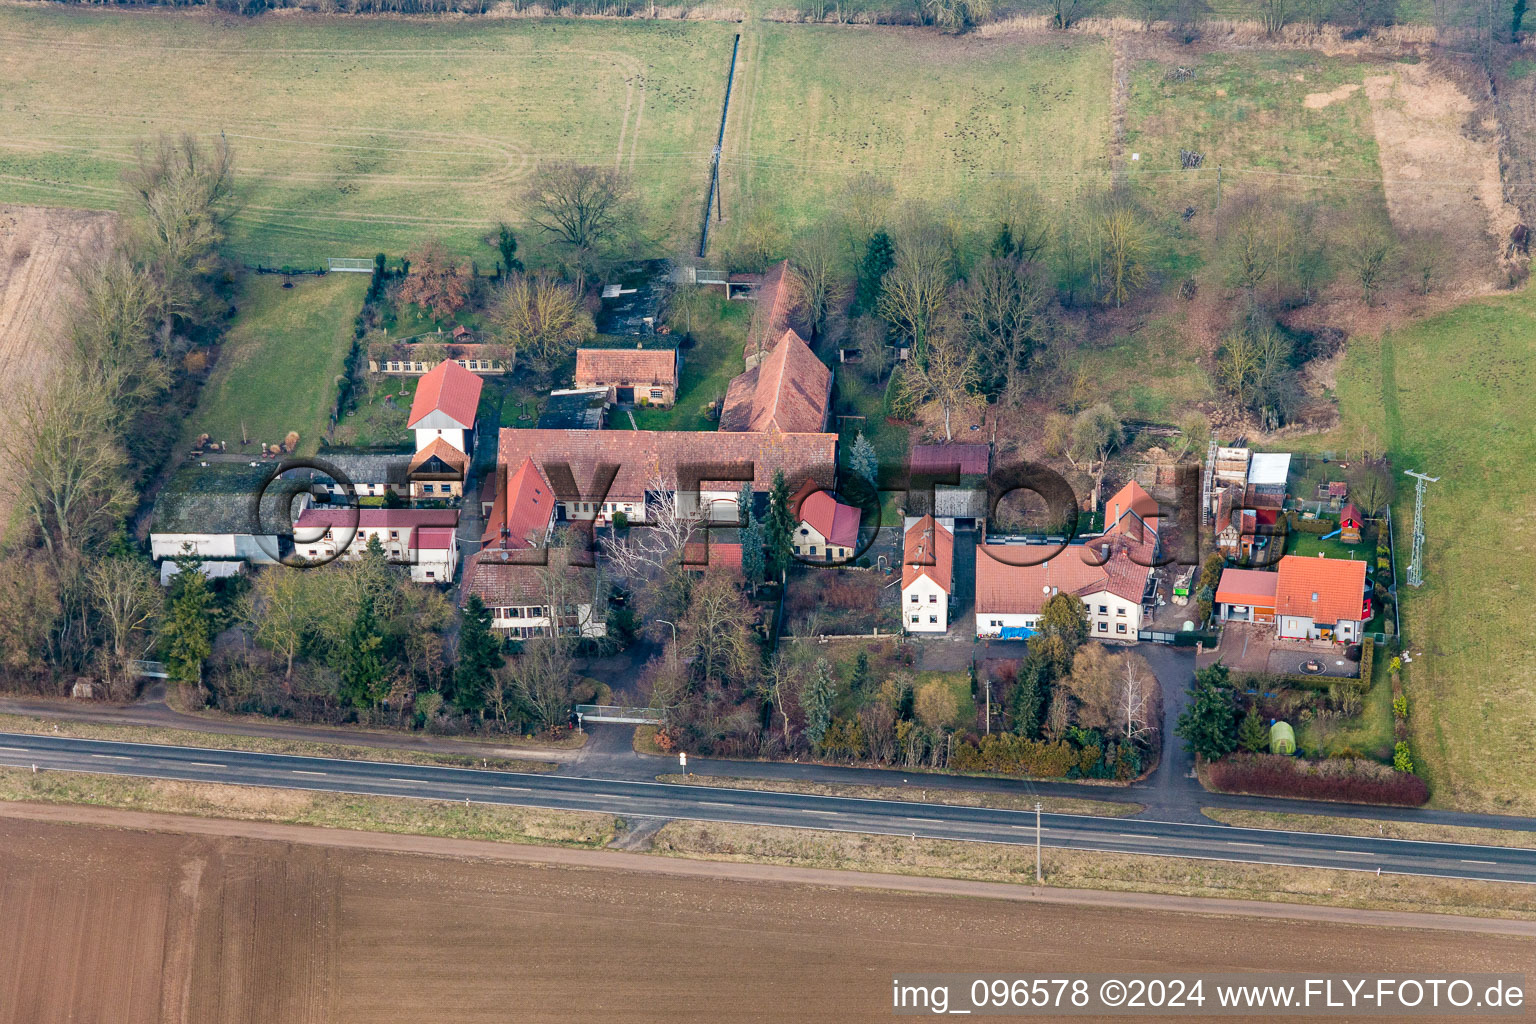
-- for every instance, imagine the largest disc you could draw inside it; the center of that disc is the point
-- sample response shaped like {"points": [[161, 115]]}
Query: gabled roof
{"points": [[790, 390], [1132, 512], [447, 453], [1349, 515], [1325, 590], [777, 298], [620, 365], [837, 522], [640, 455], [323, 516], [1247, 587], [523, 509], [501, 580], [928, 550], [1004, 585], [450, 389]]}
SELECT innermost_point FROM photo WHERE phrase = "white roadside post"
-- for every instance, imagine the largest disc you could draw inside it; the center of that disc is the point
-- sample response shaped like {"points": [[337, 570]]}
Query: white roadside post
{"points": [[1039, 879], [682, 761]]}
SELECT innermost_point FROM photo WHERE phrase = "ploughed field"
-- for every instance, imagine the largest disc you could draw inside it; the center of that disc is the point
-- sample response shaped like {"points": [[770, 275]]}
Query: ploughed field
{"points": [[126, 926]]}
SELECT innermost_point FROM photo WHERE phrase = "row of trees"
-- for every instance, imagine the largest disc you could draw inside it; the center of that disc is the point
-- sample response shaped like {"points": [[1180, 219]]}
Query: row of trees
{"points": [[74, 596]]}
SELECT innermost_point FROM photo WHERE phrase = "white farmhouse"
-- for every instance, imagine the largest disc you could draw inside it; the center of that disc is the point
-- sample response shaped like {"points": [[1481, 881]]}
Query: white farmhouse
{"points": [[927, 577]]}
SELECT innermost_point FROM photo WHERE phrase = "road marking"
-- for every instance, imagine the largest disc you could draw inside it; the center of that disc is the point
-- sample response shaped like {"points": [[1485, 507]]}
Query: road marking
{"points": [[17, 750], [1232, 842], [112, 757], [300, 771], [1355, 853], [713, 803], [829, 813], [414, 782], [930, 821], [1136, 835], [1490, 863], [516, 789], [207, 764]]}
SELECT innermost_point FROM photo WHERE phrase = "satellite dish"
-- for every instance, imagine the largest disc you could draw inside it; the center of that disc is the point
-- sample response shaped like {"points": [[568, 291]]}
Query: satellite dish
{"points": [[1046, 589], [1189, 627]]}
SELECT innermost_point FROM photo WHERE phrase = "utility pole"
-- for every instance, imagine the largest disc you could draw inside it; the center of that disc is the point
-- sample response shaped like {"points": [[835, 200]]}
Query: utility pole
{"points": [[1416, 562], [1218, 188], [1039, 878], [989, 704]]}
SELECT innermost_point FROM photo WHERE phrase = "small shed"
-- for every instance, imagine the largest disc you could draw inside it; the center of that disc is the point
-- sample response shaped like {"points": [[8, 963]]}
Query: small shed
{"points": [[1350, 524], [1282, 738]]}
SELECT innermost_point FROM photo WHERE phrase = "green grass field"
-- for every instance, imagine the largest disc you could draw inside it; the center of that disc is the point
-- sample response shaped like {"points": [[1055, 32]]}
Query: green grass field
{"points": [[1450, 396], [279, 362], [719, 333]]}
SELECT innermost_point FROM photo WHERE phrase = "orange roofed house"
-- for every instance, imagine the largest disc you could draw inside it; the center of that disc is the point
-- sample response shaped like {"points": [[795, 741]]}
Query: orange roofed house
{"points": [[1108, 574], [443, 417], [1319, 598], [828, 530], [790, 390], [927, 577], [647, 376]]}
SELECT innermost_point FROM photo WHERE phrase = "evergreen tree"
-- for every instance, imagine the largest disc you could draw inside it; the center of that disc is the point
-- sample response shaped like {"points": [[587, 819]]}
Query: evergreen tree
{"points": [[1209, 725], [780, 527], [816, 702], [506, 244], [744, 510], [1251, 734], [479, 656], [860, 673], [358, 659], [1031, 687], [863, 461], [879, 258], [1060, 631], [189, 628]]}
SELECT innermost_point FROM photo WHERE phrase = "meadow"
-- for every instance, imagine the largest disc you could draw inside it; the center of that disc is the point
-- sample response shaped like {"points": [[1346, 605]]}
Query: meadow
{"points": [[278, 364], [1450, 396]]}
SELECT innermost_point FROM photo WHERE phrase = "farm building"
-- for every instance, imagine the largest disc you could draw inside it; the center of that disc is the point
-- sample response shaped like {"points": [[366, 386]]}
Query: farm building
{"points": [[1268, 473], [790, 391], [638, 375], [531, 596], [445, 406], [1319, 598], [522, 513], [927, 577], [211, 511], [412, 359], [363, 474], [423, 538], [575, 409], [828, 530], [1246, 595], [956, 477]]}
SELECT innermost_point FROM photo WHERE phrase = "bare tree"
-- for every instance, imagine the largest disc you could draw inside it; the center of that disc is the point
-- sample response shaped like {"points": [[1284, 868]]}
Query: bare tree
{"points": [[1096, 432], [436, 282], [1138, 705], [867, 204], [112, 325], [1124, 251], [1370, 252], [916, 288], [540, 680], [1066, 13], [815, 259], [1002, 306], [948, 380], [541, 318], [282, 611], [128, 600], [1427, 259], [716, 633], [578, 204], [778, 689], [658, 542]]}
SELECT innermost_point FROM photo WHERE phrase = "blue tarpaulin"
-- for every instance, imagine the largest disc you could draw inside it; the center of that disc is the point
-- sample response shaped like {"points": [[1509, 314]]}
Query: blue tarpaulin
{"points": [[1016, 633]]}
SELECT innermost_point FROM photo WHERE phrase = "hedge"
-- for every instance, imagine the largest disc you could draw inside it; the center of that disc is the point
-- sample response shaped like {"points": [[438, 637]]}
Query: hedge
{"points": [[1313, 526], [1008, 754], [1350, 780]]}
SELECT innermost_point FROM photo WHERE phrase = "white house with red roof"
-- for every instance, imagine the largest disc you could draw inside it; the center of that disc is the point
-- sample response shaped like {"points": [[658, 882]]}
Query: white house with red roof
{"points": [[828, 530], [1108, 573], [446, 401], [522, 514], [426, 539], [927, 577], [1319, 598]]}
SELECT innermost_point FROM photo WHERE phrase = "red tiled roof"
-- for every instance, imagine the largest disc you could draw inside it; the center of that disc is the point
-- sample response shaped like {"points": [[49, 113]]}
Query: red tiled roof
{"points": [[777, 298], [1350, 516], [1005, 585], [524, 507], [451, 456], [928, 550], [501, 581], [1247, 587], [972, 459], [447, 388], [417, 525], [1324, 590], [837, 522], [719, 554], [642, 454], [610, 366], [434, 538], [790, 391], [1130, 509]]}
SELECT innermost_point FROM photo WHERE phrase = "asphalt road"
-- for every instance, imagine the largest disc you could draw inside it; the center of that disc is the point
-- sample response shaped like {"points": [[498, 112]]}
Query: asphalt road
{"points": [[631, 798]]}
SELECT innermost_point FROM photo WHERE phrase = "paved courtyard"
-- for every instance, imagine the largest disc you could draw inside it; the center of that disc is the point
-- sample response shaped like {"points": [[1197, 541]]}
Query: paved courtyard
{"points": [[1253, 647]]}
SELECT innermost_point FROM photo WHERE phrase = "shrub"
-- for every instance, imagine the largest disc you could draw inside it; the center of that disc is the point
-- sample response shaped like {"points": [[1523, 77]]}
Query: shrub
{"points": [[1400, 706], [1342, 779], [1402, 758], [1009, 754]]}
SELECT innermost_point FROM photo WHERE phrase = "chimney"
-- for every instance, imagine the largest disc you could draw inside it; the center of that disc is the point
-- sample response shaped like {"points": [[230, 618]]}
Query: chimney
{"points": [[506, 535]]}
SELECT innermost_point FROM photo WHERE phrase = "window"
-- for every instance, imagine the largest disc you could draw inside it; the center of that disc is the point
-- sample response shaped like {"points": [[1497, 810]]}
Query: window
{"points": [[656, 394], [933, 618], [813, 549], [804, 532], [997, 623], [914, 620], [1119, 627], [426, 488], [394, 534], [312, 551], [1120, 610], [430, 574], [914, 599], [1103, 627], [933, 598], [1103, 609]]}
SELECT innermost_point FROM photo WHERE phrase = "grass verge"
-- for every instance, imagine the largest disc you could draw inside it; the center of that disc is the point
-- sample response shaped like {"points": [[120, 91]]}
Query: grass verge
{"points": [[1068, 869], [951, 797], [1369, 827], [329, 810], [261, 744]]}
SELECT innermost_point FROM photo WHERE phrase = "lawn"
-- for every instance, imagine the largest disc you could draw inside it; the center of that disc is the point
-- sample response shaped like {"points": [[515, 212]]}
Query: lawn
{"points": [[709, 363], [1451, 396], [1153, 373], [279, 361]]}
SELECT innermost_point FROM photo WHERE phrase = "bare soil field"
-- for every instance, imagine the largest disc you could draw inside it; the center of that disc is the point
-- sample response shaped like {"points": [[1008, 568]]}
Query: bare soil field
{"points": [[38, 246], [112, 924]]}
